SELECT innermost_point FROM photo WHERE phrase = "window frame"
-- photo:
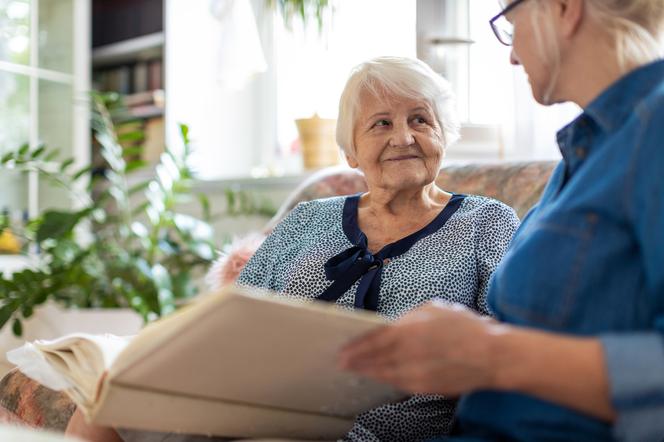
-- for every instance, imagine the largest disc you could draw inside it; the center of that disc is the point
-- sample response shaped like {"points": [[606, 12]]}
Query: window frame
{"points": [[78, 80]]}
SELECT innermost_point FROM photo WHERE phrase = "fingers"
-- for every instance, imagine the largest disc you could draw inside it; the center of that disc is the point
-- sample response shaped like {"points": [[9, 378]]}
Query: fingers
{"points": [[368, 349], [384, 346], [439, 348], [407, 376]]}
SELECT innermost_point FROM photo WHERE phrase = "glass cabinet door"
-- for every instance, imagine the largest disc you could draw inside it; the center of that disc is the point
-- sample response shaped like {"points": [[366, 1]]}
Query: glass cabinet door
{"points": [[15, 30], [56, 35], [44, 82], [14, 131]]}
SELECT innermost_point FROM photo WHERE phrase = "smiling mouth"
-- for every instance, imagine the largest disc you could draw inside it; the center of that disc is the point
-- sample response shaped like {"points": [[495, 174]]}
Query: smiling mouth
{"points": [[403, 158]]}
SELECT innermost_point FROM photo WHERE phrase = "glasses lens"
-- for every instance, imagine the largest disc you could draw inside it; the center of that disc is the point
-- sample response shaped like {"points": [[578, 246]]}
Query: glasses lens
{"points": [[504, 30]]}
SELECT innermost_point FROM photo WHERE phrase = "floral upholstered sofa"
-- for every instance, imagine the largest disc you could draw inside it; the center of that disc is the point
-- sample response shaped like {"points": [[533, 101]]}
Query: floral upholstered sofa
{"points": [[25, 402]]}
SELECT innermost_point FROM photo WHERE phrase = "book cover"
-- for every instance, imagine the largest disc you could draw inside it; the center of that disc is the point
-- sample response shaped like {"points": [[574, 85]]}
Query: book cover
{"points": [[236, 363]]}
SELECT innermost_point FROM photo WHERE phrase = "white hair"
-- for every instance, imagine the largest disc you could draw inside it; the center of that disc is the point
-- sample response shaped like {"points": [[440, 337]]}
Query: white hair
{"points": [[402, 77]]}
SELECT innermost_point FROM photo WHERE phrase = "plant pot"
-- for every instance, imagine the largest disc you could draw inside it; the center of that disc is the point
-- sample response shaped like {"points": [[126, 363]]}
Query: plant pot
{"points": [[52, 321], [319, 147]]}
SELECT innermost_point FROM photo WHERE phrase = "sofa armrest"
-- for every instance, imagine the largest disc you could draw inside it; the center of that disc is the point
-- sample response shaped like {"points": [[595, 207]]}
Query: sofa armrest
{"points": [[24, 401]]}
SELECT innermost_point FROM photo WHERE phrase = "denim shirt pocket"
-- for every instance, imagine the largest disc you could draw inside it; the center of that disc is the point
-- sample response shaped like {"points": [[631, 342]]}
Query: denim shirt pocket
{"points": [[543, 278]]}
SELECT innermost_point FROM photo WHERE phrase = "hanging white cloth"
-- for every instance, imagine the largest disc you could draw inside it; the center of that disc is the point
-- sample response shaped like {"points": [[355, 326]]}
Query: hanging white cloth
{"points": [[239, 54]]}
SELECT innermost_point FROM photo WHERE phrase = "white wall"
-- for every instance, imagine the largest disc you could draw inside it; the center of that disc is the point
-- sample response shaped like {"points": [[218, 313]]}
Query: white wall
{"points": [[223, 122]]}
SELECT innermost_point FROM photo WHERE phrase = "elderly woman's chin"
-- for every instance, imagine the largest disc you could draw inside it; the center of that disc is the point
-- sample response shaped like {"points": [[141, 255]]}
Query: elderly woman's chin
{"points": [[407, 175]]}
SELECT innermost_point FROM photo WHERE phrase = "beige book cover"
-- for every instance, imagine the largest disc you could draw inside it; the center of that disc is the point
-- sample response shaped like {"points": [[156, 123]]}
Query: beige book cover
{"points": [[236, 363]]}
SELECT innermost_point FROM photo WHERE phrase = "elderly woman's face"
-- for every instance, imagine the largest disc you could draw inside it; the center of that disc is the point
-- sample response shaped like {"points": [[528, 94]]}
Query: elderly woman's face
{"points": [[398, 142]]}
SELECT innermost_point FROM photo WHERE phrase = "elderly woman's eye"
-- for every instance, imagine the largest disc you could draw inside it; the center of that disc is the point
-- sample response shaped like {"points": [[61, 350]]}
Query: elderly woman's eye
{"points": [[382, 123], [420, 120]]}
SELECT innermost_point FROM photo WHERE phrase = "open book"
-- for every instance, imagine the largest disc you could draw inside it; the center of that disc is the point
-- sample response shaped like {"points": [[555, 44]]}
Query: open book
{"points": [[236, 363]]}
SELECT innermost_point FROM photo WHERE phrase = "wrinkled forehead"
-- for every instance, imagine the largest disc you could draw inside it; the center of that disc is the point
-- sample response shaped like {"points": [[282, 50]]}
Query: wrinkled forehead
{"points": [[381, 98]]}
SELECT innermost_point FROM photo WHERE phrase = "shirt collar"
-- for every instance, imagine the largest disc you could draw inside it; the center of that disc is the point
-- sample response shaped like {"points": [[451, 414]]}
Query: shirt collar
{"points": [[613, 106], [608, 111]]}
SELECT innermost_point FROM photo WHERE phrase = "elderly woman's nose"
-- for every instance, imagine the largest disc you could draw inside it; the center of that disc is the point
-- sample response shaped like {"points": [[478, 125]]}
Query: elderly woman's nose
{"points": [[402, 135]]}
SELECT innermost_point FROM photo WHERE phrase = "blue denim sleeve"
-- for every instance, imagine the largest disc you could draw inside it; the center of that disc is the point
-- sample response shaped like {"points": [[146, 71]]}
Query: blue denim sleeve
{"points": [[635, 364], [635, 361]]}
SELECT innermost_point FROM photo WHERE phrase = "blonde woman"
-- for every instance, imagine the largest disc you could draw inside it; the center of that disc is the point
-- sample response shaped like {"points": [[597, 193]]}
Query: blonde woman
{"points": [[578, 353]]}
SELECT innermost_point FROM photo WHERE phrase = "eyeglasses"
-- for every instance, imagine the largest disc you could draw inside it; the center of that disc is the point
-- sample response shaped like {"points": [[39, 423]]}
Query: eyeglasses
{"points": [[502, 27]]}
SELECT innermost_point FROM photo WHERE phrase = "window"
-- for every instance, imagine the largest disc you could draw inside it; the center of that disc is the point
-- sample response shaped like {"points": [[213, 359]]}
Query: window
{"points": [[43, 86], [500, 118], [251, 131], [312, 71]]}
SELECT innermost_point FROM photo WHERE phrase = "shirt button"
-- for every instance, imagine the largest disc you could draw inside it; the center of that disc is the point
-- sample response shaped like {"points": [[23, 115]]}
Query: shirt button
{"points": [[580, 152]]}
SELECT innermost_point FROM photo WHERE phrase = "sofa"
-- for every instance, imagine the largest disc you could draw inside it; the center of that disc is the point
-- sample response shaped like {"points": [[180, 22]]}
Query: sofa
{"points": [[26, 403]]}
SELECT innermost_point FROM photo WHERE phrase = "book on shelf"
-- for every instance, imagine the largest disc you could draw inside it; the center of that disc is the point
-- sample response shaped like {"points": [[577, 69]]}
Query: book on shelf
{"points": [[140, 76], [235, 363], [153, 145], [130, 78]]}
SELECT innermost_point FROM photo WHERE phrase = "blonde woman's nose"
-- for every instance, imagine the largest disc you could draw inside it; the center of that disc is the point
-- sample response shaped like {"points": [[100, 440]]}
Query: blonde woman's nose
{"points": [[514, 59]]}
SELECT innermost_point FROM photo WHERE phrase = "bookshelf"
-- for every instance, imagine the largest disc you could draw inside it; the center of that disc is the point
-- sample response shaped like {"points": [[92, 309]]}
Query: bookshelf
{"points": [[128, 41]]}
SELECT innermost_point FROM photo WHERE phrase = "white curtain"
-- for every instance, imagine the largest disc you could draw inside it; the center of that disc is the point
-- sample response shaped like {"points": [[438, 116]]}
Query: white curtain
{"points": [[239, 53]]}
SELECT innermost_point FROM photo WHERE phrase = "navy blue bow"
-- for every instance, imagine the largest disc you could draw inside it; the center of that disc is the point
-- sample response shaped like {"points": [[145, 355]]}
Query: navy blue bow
{"points": [[349, 266], [358, 263]]}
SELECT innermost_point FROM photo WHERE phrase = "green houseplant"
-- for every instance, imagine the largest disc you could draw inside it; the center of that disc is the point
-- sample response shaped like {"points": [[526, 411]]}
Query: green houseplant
{"points": [[127, 246], [306, 10]]}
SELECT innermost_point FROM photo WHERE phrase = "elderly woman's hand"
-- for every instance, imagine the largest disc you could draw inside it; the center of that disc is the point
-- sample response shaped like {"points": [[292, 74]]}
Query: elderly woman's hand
{"points": [[439, 348]]}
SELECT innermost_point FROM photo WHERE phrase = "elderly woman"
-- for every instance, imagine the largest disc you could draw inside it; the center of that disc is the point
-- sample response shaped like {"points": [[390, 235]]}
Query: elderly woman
{"points": [[405, 241], [579, 352]]}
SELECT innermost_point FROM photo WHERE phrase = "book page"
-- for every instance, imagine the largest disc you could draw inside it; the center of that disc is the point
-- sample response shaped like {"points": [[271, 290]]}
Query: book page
{"points": [[74, 363]]}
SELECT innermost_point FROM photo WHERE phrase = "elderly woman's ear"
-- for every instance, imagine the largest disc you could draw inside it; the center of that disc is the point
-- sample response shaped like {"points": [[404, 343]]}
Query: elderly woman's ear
{"points": [[351, 160]]}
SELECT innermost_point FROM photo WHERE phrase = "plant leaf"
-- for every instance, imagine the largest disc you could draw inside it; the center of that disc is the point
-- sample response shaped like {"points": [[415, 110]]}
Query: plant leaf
{"points": [[7, 157], [135, 165], [65, 164], [82, 172], [57, 224], [37, 152], [52, 154], [138, 187], [6, 312], [17, 327]]}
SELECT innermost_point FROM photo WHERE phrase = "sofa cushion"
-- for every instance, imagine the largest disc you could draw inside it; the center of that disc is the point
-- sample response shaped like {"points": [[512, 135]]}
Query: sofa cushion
{"points": [[519, 185], [26, 401]]}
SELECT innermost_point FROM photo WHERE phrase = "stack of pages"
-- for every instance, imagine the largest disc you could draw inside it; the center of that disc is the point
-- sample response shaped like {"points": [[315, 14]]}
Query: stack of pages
{"points": [[234, 363]]}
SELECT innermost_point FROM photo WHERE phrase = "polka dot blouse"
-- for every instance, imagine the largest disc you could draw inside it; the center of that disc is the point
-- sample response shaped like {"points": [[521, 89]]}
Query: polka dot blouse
{"points": [[452, 258]]}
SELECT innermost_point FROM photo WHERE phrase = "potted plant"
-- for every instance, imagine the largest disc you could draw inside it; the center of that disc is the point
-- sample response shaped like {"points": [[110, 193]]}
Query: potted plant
{"points": [[316, 134], [127, 246], [306, 10]]}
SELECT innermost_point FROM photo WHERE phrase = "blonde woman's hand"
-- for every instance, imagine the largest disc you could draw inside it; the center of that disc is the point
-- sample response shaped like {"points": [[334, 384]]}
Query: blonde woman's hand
{"points": [[440, 348]]}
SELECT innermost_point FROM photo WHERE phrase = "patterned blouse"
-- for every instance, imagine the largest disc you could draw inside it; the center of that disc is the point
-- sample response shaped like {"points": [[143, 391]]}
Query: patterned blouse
{"points": [[312, 252]]}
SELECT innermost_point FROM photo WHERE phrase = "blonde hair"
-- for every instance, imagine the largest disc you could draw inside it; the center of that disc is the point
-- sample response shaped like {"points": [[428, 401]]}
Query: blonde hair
{"points": [[403, 77], [636, 26]]}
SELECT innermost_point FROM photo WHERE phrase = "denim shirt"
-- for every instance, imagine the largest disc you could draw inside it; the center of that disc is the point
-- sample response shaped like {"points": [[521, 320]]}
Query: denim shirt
{"points": [[588, 260]]}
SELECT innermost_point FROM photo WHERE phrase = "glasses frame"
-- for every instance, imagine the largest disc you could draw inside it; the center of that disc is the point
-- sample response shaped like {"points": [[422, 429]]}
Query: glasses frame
{"points": [[505, 10]]}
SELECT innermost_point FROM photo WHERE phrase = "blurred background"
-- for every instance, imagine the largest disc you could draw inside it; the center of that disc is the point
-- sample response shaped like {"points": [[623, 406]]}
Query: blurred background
{"points": [[239, 73], [140, 140]]}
